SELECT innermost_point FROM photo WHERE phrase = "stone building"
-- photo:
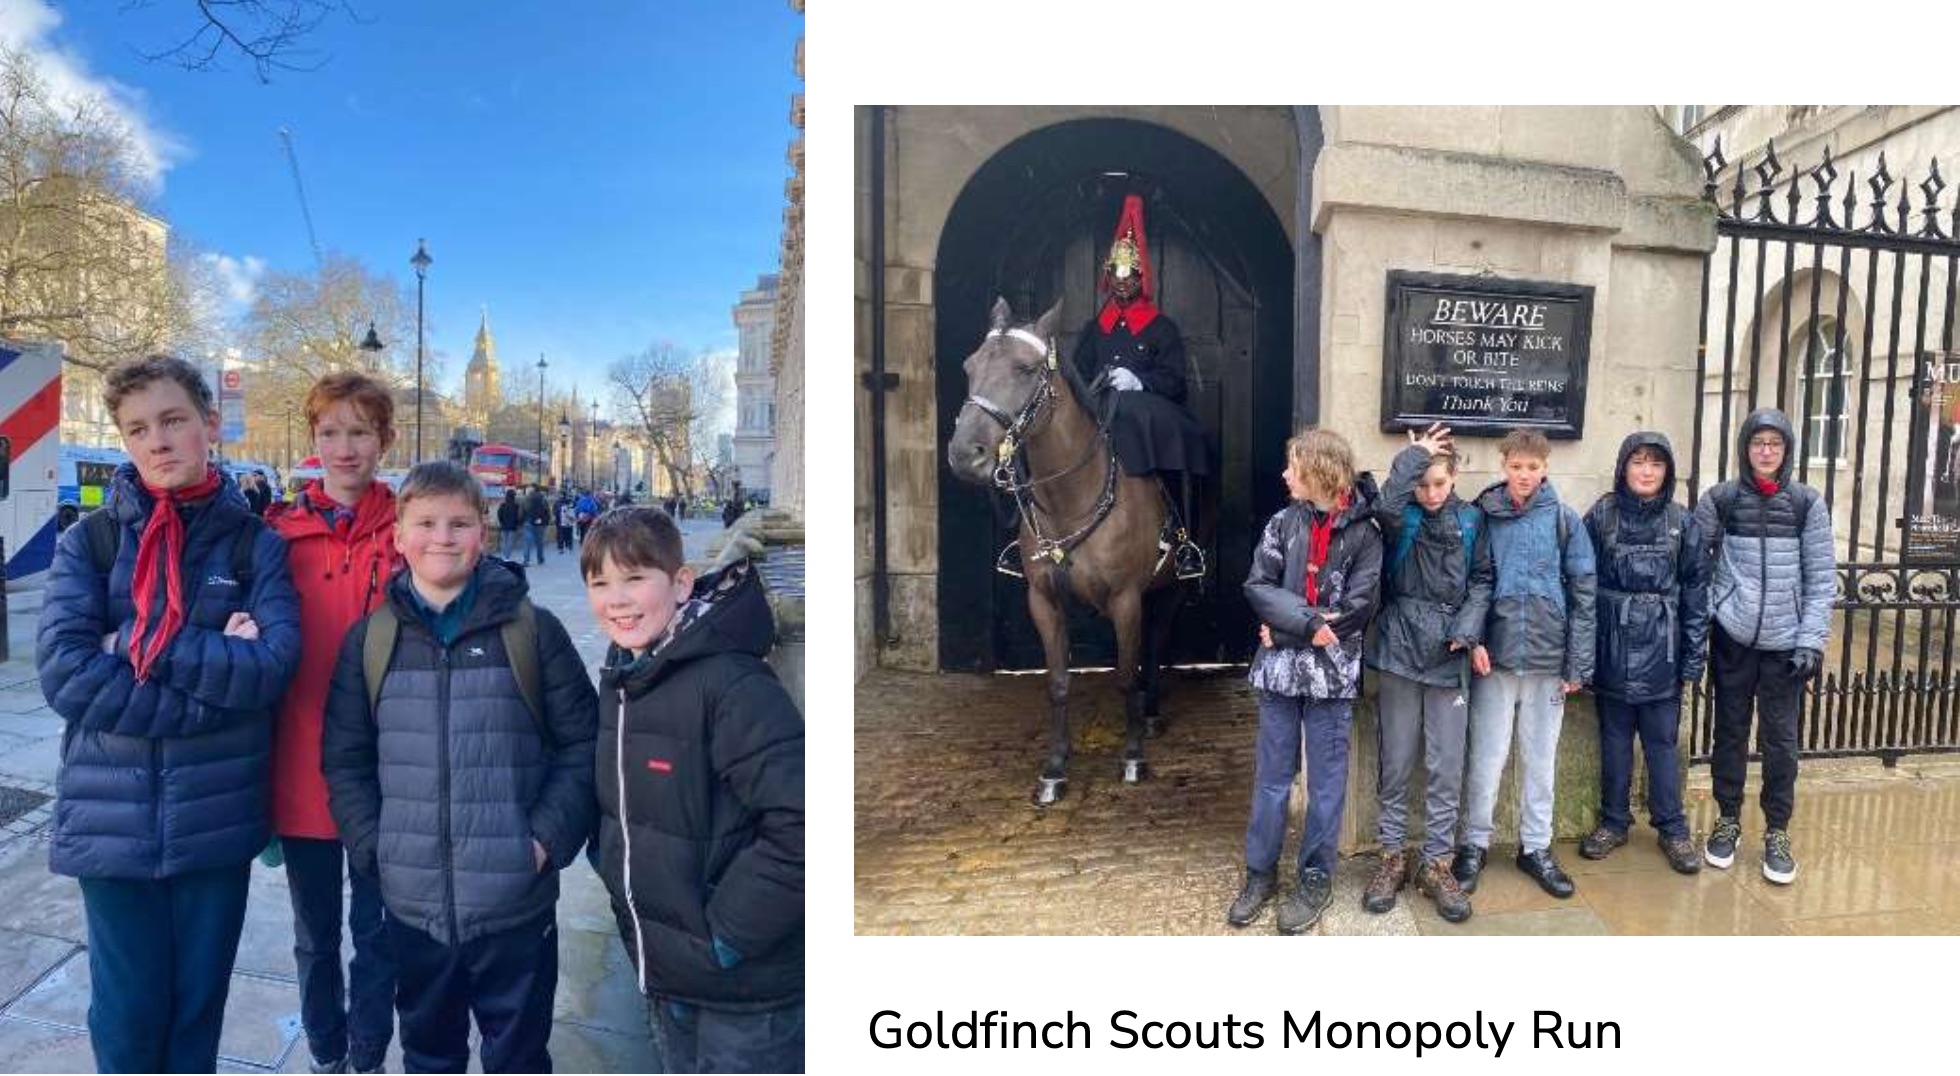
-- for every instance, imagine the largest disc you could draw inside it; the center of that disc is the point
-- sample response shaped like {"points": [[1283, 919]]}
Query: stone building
{"points": [[1275, 231], [483, 391], [755, 385], [786, 348]]}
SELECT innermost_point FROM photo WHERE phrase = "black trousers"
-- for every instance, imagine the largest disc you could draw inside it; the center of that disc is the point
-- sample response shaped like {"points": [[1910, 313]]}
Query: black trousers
{"points": [[506, 980], [1747, 678], [692, 1039]]}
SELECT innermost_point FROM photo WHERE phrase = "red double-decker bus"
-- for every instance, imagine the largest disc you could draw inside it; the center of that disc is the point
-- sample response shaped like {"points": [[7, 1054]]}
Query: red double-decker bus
{"points": [[500, 467]]}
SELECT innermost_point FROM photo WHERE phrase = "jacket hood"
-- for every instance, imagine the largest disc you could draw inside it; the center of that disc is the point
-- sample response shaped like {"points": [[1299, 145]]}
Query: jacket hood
{"points": [[1495, 500], [500, 586], [727, 612], [131, 502], [1635, 441], [1772, 419], [302, 517]]}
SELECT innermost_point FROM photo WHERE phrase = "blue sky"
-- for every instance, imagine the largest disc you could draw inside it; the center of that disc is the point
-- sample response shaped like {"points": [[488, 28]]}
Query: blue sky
{"points": [[601, 175]]}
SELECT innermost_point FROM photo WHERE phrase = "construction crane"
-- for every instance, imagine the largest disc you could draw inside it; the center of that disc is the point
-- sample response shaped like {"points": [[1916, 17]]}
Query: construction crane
{"points": [[292, 161]]}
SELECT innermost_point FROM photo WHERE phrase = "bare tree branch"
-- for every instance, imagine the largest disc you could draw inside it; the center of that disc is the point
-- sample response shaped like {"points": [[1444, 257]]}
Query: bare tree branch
{"points": [[270, 34]]}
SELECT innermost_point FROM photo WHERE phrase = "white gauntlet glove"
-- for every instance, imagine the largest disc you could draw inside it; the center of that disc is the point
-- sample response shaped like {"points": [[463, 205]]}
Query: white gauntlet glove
{"points": [[1123, 379]]}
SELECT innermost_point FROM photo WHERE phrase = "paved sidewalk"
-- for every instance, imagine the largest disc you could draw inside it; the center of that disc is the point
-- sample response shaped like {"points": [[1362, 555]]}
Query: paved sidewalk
{"points": [[946, 842], [44, 981]]}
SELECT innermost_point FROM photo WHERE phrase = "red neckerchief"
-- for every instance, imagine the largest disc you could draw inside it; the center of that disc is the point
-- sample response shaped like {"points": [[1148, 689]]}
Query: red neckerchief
{"points": [[1765, 486], [1139, 314], [162, 544], [1320, 538]]}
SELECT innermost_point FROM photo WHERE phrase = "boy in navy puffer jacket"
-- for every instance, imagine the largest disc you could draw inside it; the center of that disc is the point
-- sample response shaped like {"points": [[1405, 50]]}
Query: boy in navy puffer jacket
{"points": [[1653, 622]]}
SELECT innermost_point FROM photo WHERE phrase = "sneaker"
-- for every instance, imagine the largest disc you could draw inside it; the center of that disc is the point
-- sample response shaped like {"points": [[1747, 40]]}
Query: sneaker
{"points": [[1545, 870], [1259, 887], [1436, 882], [1680, 853], [1390, 877], [1469, 863], [1720, 849], [329, 1066], [1301, 909], [1779, 865], [1601, 841]]}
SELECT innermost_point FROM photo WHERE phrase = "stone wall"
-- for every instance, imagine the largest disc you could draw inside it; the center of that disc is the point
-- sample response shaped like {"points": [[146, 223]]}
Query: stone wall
{"points": [[1603, 197]]}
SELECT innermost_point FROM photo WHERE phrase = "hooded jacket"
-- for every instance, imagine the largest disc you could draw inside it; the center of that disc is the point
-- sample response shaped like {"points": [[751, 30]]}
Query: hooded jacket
{"points": [[1424, 605], [701, 804], [1540, 596], [1350, 586], [1653, 585], [442, 787], [341, 574], [1775, 565], [170, 775]]}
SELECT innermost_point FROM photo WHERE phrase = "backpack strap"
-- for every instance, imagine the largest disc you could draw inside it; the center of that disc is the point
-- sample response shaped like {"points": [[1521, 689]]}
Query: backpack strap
{"points": [[1468, 518], [1405, 538], [521, 648], [104, 536], [377, 650]]}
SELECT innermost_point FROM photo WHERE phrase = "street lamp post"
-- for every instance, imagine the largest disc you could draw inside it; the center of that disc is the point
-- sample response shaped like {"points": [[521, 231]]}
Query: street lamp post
{"points": [[564, 467], [591, 433], [373, 346], [541, 366], [289, 440], [421, 261]]}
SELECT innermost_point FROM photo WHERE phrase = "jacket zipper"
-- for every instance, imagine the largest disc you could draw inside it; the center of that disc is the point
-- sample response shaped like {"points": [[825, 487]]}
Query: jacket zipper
{"points": [[1762, 560], [442, 771], [626, 839]]}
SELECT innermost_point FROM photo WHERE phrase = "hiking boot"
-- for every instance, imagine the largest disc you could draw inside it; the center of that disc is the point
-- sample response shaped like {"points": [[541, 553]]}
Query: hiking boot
{"points": [[1542, 867], [1435, 881], [1469, 863], [1259, 887], [1779, 865], [1720, 849], [1680, 853], [1301, 909], [1390, 877], [1601, 841]]}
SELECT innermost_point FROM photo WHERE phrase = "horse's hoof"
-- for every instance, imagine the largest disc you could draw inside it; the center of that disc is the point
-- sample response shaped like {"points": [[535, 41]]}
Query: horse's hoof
{"points": [[1132, 771], [1048, 790]]}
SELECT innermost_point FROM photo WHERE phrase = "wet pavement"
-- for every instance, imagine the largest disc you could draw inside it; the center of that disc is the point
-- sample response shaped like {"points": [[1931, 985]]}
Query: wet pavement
{"points": [[600, 1019], [946, 841]]}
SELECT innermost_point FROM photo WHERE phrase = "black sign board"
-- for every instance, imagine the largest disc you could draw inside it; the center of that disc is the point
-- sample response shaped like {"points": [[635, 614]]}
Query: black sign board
{"points": [[1485, 355]]}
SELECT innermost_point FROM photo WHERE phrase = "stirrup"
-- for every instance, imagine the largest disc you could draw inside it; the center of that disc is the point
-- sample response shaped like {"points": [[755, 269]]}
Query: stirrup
{"points": [[1190, 559], [1009, 561]]}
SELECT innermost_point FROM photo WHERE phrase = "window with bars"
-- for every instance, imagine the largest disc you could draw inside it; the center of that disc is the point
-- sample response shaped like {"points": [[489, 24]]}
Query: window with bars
{"points": [[1823, 382]]}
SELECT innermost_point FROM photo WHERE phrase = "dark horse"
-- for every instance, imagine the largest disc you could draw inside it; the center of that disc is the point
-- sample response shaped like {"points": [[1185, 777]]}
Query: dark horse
{"points": [[1088, 531]]}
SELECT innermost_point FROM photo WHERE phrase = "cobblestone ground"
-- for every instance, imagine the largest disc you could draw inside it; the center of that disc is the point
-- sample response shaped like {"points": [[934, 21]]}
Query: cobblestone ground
{"points": [[44, 985], [946, 841]]}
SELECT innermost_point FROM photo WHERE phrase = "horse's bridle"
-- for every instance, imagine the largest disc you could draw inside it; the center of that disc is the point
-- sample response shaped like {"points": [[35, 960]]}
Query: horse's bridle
{"points": [[1011, 471]]}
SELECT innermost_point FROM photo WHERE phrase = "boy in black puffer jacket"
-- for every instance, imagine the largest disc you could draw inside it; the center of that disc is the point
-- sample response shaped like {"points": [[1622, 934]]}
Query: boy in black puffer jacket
{"points": [[1653, 622], [458, 755], [700, 799]]}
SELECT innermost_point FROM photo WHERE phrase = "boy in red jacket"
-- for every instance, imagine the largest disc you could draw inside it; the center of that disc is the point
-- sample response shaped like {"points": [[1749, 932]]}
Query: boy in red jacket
{"points": [[341, 534]]}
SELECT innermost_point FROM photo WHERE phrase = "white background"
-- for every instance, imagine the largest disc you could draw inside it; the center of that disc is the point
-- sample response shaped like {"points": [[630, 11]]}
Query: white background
{"points": [[1684, 1004]]}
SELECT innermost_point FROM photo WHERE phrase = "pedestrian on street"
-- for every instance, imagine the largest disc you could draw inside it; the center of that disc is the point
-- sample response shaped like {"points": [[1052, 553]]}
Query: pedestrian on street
{"points": [[458, 757], [1653, 633], [510, 524], [169, 632], [588, 510], [537, 516], [701, 806], [1775, 578], [566, 511], [1418, 652], [1313, 584], [340, 535]]}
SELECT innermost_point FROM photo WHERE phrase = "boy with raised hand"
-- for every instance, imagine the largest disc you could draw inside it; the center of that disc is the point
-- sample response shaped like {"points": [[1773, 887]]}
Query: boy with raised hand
{"points": [[700, 798], [169, 632], [1775, 579], [1534, 571], [1424, 672], [1313, 584], [1653, 604], [458, 756]]}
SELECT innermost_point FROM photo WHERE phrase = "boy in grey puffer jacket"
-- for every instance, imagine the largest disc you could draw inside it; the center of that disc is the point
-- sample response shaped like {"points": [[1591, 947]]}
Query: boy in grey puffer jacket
{"points": [[1775, 579]]}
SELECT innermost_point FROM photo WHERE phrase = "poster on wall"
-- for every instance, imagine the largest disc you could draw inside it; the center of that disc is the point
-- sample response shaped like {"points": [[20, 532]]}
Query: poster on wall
{"points": [[1485, 355], [1933, 523]]}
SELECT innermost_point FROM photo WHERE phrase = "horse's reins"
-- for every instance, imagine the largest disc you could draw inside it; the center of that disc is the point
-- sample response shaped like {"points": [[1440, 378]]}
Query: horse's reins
{"points": [[1012, 472]]}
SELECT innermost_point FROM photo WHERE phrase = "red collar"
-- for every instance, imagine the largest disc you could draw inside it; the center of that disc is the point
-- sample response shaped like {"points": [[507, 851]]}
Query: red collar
{"points": [[1138, 315]]}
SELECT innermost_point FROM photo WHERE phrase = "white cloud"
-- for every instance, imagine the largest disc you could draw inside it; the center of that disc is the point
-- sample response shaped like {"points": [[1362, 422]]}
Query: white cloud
{"points": [[238, 278], [29, 26]]}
